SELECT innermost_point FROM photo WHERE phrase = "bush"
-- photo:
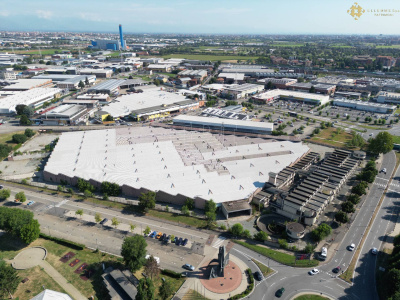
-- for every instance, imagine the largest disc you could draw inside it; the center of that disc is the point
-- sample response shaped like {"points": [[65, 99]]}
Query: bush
{"points": [[19, 138], [29, 132], [353, 198], [348, 207], [171, 273], [249, 288], [261, 236], [283, 243], [321, 232], [109, 188], [63, 242], [4, 150], [236, 229], [341, 217]]}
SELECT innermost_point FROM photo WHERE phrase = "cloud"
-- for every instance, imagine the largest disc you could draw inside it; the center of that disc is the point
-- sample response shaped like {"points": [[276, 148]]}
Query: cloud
{"points": [[4, 13], [44, 14], [91, 17]]}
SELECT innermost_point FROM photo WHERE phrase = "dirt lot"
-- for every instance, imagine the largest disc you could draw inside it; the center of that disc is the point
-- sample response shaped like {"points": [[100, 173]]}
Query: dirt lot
{"points": [[39, 142]]}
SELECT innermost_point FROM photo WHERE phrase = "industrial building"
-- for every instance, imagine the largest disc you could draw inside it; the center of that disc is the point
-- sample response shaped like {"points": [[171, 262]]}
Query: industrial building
{"points": [[33, 98], [100, 73], [66, 114], [106, 45], [159, 68], [349, 95], [176, 164], [151, 104], [68, 81], [366, 106], [197, 74], [272, 95], [232, 77], [27, 84], [388, 97], [224, 114], [247, 70], [102, 98], [108, 87], [279, 83], [317, 188], [224, 124], [239, 91]]}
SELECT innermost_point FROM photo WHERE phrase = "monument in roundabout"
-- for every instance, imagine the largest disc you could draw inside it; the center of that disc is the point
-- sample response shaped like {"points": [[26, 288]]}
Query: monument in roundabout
{"points": [[222, 275]]}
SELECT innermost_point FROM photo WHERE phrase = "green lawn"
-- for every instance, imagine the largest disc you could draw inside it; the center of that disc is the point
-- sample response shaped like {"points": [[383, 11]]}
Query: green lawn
{"points": [[330, 136], [210, 57], [6, 138], [377, 127], [192, 221], [264, 269], [37, 279], [311, 297], [396, 139], [280, 257]]}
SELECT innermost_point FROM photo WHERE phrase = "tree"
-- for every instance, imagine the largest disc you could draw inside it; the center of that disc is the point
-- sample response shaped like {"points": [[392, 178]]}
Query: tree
{"points": [[19, 138], [312, 89], [353, 198], [4, 150], [237, 229], [165, 290], [30, 232], [185, 210], [19, 109], [29, 132], [60, 188], [97, 217], [87, 194], [86, 81], [393, 281], [147, 200], [189, 203], [79, 212], [110, 188], [321, 232], [341, 217], [115, 222], [246, 233], [5, 194], [359, 189], [81, 85], [133, 252], [157, 82], [348, 207], [109, 118], [261, 236], [151, 267], [367, 175], [28, 111], [9, 280], [20, 197], [145, 290], [382, 143], [309, 248], [147, 230]]}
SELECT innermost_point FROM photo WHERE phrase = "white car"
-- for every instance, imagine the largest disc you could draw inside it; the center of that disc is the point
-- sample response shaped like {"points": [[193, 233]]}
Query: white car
{"points": [[352, 247], [374, 251], [383, 170], [313, 272]]}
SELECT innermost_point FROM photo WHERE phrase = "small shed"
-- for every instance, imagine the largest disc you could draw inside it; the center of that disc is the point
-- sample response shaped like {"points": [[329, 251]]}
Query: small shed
{"points": [[234, 208]]}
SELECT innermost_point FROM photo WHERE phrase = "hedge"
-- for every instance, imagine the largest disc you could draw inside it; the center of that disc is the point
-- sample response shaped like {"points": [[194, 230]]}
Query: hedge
{"points": [[63, 242], [171, 273], [249, 288]]}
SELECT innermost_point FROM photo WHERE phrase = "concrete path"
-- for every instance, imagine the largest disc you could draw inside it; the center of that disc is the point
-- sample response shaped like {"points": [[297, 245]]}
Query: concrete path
{"points": [[69, 288]]}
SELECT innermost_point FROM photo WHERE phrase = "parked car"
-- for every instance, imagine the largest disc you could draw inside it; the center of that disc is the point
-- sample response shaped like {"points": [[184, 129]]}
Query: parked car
{"points": [[352, 247], [30, 203], [258, 276], [383, 170], [337, 269], [185, 241], [1, 187], [188, 267], [163, 237], [104, 221], [158, 235], [374, 251], [180, 242], [313, 272], [177, 241], [153, 234], [148, 234], [166, 240], [280, 292]]}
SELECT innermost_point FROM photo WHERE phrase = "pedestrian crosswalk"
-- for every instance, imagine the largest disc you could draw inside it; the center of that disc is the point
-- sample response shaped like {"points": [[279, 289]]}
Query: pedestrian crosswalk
{"points": [[219, 241], [385, 185], [61, 203]]}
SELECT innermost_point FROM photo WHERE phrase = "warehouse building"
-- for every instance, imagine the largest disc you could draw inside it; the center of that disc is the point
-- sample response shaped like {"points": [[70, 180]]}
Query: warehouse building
{"points": [[66, 114], [388, 97], [99, 73], [349, 95], [197, 74], [108, 87], [279, 83], [225, 114], [239, 91], [159, 68], [67, 81], [272, 95], [176, 164], [33, 98], [151, 104], [27, 84], [230, 78], [366, 106], [102, 98], [224, 124]]}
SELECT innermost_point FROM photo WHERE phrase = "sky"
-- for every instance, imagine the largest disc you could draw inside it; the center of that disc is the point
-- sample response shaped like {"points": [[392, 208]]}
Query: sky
{"points": [[200, 16]]}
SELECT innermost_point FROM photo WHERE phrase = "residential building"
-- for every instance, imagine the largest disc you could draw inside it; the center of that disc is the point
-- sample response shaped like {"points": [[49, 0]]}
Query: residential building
{"points": [[363, 59], [386, 61], [8, 75]]}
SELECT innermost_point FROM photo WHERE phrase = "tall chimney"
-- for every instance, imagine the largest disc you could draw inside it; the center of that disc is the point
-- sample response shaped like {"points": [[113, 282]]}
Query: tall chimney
{"points": [[121, 37]]}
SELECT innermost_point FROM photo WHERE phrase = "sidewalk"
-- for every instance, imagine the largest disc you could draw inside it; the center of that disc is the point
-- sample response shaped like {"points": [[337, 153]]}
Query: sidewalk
{"points": [[69, 288]]}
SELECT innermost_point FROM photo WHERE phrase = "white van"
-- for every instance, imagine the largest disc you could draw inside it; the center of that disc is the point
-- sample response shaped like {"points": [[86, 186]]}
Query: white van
{"points": [[324, 253]]}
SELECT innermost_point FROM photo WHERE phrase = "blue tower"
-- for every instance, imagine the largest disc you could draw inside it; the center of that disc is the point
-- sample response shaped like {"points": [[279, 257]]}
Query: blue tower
{"points": [[121, 37]]}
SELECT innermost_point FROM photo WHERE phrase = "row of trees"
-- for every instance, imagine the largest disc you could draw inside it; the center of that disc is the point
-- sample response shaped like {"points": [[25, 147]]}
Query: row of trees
{"points": [[19, 223], [22, 138]]}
